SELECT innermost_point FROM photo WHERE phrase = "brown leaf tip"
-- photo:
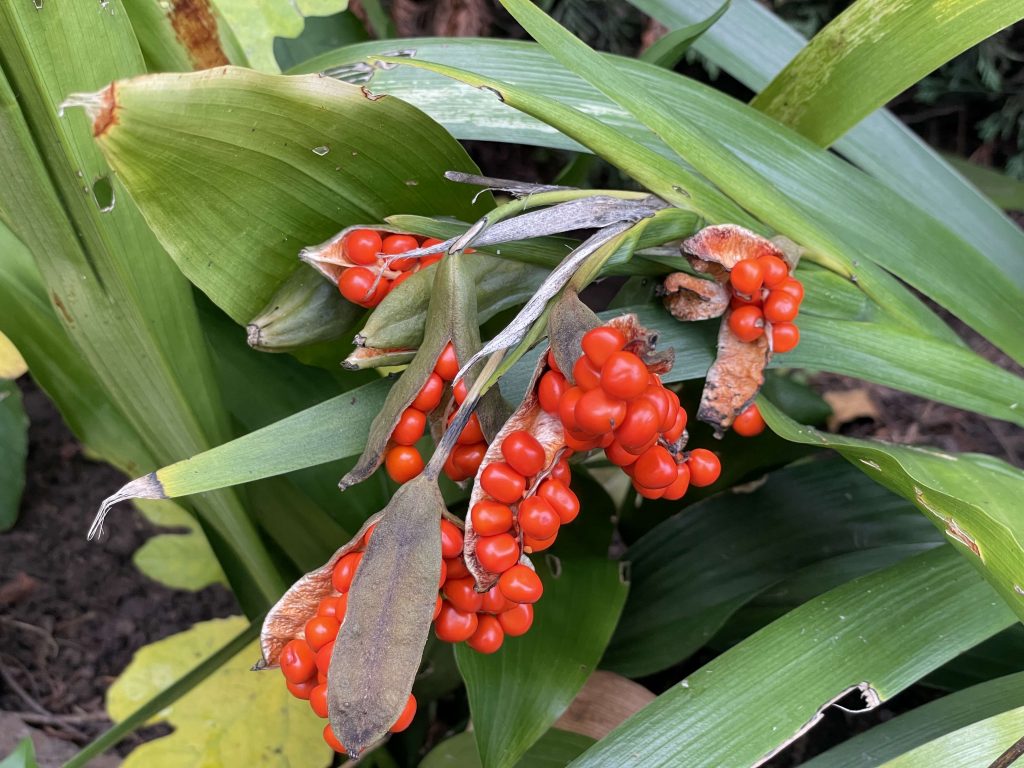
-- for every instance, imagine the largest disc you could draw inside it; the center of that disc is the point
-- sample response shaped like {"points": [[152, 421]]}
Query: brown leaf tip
{"points": [[101, 108]]}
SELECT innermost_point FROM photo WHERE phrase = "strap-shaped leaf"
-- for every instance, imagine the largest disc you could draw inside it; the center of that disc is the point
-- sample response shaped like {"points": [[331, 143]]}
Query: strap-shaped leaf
{"points": [[973, 499], [236, 171], [178, 37], [753, 44], [871, 52], [14, 447], [879, 634]]}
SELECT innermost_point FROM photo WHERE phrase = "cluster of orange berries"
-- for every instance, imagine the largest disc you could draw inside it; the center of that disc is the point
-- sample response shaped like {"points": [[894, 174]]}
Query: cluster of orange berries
{"points": [[376, 273], [765, 298], [402, 460], [481, 619], [305, 660], [618, 405]]}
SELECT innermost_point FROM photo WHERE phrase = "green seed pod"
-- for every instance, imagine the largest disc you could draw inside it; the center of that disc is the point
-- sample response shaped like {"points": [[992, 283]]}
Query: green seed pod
{"points": [[305, 310]]}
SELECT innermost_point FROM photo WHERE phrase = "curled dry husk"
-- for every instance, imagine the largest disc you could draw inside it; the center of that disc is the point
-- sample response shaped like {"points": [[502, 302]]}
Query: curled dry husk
{"points": [[365, 357], [546, 427], [287, 619], [690, 298], [304, 310], [737, 374]]}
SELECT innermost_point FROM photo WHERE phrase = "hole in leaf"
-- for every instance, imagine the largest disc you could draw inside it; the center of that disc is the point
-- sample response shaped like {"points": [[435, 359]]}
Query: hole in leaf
{"points": [[103, 194]]}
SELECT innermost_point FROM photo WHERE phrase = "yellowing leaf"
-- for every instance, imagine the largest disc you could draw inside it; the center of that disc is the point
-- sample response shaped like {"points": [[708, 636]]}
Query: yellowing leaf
{"points": [[257, 22], [179, 560], [12, 365], [235, 718]]}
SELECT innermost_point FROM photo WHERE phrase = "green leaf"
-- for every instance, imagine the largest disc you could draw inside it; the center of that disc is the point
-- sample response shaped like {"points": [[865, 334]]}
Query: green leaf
{"points": [[692, 572], [179, 560], [236, 171], [997, 657], [958, 277], [178, 37], [23, 756], [257, 22], [13, 449], [668, 50], [552, 750], [978, 744], [258, 721], [927, 723], [883, 632], [973, 499], [753, 45], [517, 693], [127, 309], [872, 52], [1003, 190]]}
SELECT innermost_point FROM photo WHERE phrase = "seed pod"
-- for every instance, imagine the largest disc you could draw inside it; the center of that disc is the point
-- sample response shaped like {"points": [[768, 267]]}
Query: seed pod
{"points": [[390, 609], [286, 620], [734, 379], [570, 319], [692, 298], [305, 310], [364, 357]]}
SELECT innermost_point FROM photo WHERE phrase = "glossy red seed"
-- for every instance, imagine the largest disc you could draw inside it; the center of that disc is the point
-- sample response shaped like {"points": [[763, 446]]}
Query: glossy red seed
{"points": [[460, 392], [523, 453], [532, 545], [495, 602], [619, 456], [659, 397], [429, 396], [624, 376], [332, 740], [345, 571], [673, 434], [456, 568], [704, 467], [469, 457], [655, 468], [747, 323], [298, 661], [463, 595], [521, 584], [491, 517], [403, 463], [471, 433], [567, 407], [785, 336], [447, 365], [640, 424], [318, 700], [597, 412], [304, 689], [405, 719], [410, 427], [503, 483], [497, 553], [749, 423], [361, 246], [320, 630], [775, 270], [585, 375], [580, 442], [361, 286], [488, 636], [550, 390], [747, 276], [561, 471], [453, 625], [323, 657], [793, 287], [599, 344], [780, 307], [329, 608], [537, 518], [517, 621], [648, 493], [451, 539], [562, 500], [680, 485], [400, 244], [552, 363]]}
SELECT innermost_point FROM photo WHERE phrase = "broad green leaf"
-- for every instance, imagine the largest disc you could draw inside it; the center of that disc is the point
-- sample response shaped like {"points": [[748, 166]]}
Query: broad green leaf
{"points": [[179, 560], [517, 693], [12, 364], [955, 275], [58, 368], [552, 750], [977, 744], [690, 573], [128, 310], [753, 45], [236, 171], [23, 756], [872, 52], [319, 35], [1003, 190], [972, 498], [668, 50], [257, 22], [258, 722], [13, 449], [879, 633], [179, 37], [928, 723], [997, 657]]}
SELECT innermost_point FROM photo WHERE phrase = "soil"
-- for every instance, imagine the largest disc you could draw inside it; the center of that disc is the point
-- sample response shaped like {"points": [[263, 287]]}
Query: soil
{"points": [[72, 612]]}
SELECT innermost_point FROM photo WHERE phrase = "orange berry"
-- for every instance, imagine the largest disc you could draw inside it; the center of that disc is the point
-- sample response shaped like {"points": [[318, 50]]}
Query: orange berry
{"points": [[749, 422], [503, 483], [532, 545], [517, 621], [747, 323], [468, 458], [488, 636], [523, 453], [320, 630], [747, 276], [640, 424], [463, 595], [361, 286], [598, 413], [619, 456], [345, 571], [537, 518], [447, 365], [780, 307], [361, 246], [561, 499], [550, 390], [490, 517], [495, 601], [793, 287], [521, 584], [304, 689], [405, 719], [704, 467], [332, 740], [403, 463], [567, 406], [318, 700], [673, 434], [451, 539], [453, 625], [400, 244], [655, 468], [585, 374], [599, 343], [456, 568], [561, 471], [429, 396], [323, 657], [471, 433], [785, 336], [497, 553], [680, 485], [624, 376], [775, 270], [410, 427]]}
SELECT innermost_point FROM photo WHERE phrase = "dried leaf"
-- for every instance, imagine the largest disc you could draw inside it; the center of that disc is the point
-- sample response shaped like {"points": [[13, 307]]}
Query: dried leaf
{"points": [[605, 701], [849, 405], [287, 619], [390, 610], [365, 357], [734, 379], [692, 298]]}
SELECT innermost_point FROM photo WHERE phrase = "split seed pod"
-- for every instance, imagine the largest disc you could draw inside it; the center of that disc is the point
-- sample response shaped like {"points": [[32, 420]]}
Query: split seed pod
{"points": [[691, 298]]}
